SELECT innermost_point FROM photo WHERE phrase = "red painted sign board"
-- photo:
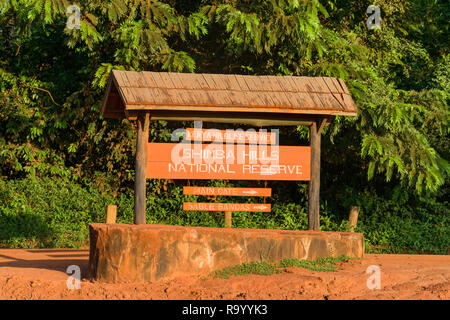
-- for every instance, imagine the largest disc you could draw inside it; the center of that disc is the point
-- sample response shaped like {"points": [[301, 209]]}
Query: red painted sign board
{"points": [[236, 207], [218, 191], [225, 161]]}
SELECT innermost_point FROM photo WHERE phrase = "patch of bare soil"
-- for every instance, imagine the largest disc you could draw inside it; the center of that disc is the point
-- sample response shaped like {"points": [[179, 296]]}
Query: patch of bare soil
{"points": [[41, 274]]}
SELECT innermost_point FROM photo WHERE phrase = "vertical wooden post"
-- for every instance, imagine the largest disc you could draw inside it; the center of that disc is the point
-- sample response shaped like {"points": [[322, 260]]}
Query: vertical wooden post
{"points": [[314, 183], [353, 218], [111, 213], [140, 177], [228, 218]]}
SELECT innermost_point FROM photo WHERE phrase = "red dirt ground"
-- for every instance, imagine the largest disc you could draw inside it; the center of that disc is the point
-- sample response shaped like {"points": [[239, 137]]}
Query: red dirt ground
{"points": [[40, 274]]}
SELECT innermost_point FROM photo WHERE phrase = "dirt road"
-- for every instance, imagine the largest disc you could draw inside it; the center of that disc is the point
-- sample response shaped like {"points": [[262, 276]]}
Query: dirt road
{"points": [[41, 274]]}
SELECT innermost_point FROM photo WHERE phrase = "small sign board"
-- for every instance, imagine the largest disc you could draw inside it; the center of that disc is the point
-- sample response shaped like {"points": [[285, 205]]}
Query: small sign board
{"points": [[218, 191], [235, 207], [230, 136]]}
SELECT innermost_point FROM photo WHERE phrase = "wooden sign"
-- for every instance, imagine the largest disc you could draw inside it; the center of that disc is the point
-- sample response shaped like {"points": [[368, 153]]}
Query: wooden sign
{"points": [[223, 161], [217, 191], [242, 207], [231, 136]]}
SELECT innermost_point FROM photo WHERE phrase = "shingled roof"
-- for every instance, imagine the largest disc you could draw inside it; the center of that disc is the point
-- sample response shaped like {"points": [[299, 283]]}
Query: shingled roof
{"points": [[130, 91]]}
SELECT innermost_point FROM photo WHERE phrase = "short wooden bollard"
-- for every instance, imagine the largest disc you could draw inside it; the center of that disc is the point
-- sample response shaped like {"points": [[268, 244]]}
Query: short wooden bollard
{"points": [[353, 218], [111, 213], [228, 219]]}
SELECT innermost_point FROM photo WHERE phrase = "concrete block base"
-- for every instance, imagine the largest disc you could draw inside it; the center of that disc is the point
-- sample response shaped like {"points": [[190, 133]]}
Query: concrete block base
{"points": [[145, 253]]}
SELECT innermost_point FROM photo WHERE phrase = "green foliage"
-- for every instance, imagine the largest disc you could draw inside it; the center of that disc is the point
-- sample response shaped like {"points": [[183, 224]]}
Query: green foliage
{"points": [[38, 213], [397, 222]]}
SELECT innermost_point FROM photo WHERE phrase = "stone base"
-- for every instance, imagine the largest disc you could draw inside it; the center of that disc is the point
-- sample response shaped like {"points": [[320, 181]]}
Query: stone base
{"points": [[136, 253]]}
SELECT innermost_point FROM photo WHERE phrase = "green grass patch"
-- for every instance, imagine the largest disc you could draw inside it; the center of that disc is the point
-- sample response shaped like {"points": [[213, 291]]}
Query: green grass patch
{"points": [[266, 268], [321, 264], [254, 267]]}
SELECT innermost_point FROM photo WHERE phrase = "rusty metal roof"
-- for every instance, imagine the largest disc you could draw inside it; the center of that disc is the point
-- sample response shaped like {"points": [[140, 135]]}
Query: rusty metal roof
{"points": [[129, 92]]}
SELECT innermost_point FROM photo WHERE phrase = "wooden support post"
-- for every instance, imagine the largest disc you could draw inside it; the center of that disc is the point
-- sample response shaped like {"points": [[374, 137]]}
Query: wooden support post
{"points": [[314, 183], [111, 213], [353, 218], [140, 177], [228, 218]]}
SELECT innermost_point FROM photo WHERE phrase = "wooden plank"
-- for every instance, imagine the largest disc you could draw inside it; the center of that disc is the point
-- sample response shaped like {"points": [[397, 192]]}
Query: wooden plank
{"points": [[303, 98], [240, 97], [149, 81], [220, 81], [300, 84], [143, 92], [254, 119], [221, 161], [318, 103], [183, 84], [268, 91], [259, 86], [235, 192], [331, 85], [140, 167], [328, 102], [337, 102], [304, 101], [166, 80], [170, 91], [126, 77], [337, 85], [349, 104], [204, 98], [119, 76], [291, 91], [343, 86], [164, 89], [116, 104], [353, 218], [158, 97], [314, 183], [278, 112], [230, 136], [202, 80], [139, 79], [196, 86], [216, 93], [129, 95], [233, 207], [285, 84], [186, 79], [209, 81], [339, 97], [141, 95], [241, 82], [106, 99], [254, 95], [322, 124], [157, 93], [111, 213], [278, 93], [233, 82], [228, 218], [292, 84], [176, 80], [221, 84]]}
